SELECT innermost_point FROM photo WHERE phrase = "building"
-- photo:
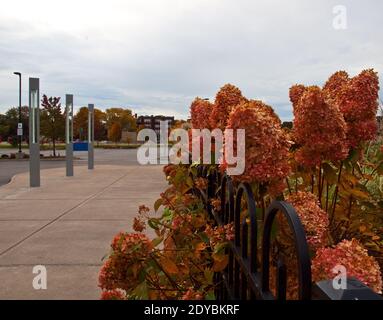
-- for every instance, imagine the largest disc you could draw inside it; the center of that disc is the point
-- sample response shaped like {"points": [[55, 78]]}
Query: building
{"points": [[153, 122]]}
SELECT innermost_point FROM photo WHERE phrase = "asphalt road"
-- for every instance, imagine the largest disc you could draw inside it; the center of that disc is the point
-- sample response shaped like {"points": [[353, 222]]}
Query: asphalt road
{"points": [[8, 168]]}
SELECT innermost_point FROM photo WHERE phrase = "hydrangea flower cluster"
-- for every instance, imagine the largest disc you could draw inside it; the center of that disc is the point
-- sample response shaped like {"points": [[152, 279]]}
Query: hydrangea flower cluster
{"points": [[267, 146], [192, 294], [295, 93], [115, 294], [130, 251], [319, 128], [354, 257], [200, 111], [220, 234], [314, 219], [357, 99], [226, 99]]}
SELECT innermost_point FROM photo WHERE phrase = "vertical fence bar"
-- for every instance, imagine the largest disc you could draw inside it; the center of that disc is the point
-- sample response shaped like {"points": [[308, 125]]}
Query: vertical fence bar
{"points": [[281, 280]]}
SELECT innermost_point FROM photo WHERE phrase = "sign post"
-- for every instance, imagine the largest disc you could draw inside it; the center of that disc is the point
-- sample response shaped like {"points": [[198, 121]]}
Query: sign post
{"points": [[90, 136], [19, 129], [34, 132], [69, 134]]}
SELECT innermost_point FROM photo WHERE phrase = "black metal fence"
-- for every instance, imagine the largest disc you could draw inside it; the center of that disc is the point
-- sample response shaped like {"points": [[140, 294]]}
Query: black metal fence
{"points": [[247, 275]]}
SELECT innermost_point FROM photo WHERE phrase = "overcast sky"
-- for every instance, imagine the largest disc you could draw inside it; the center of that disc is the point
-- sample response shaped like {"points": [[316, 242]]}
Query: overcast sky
{"points": [[155, 56]]}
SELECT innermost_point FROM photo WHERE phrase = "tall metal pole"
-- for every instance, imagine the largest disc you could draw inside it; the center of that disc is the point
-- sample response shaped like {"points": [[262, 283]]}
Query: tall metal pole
{"points": [[69, 134], [90, 136], [19, 125], [34, 132]]}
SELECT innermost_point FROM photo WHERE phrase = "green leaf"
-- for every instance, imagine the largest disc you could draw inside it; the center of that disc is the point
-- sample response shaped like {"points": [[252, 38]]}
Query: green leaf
{"points": [[220, 248], [209, 276], [158, 204], [141, 291], [153, 223], [167, 213], [210, 295], [205, 238]]}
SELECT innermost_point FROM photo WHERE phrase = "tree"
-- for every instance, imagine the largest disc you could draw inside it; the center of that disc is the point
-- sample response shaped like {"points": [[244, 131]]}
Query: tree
{"points": [[80, 126], [124, 117], [52, 120], [4, 127], [114, 133], [9, 121]]}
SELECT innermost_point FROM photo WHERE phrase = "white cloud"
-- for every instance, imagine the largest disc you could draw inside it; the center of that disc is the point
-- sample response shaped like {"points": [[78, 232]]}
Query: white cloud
{"points": [[155, 56]]}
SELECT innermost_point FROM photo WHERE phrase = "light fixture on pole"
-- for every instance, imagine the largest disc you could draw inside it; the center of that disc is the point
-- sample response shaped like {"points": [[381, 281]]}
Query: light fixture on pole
{"points": [[34, 132], [90, 136], [19, 124], [69, 134]]}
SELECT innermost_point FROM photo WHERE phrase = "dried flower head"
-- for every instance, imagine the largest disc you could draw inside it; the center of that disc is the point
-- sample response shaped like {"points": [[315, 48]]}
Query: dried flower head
{"points": [[354, 257], [226, 99], [200, 111], [357, 99], [129, 253], [319, 129], [115, 294], [295, 93], [314, 219], [267, 145]]}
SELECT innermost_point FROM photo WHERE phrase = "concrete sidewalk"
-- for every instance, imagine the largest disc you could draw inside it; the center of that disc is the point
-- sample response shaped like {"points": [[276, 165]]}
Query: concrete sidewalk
{"points": [[67, 225]]}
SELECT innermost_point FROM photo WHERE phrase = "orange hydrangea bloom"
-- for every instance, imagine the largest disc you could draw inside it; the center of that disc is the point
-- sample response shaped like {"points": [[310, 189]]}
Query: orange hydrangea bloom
{"points": [[295, 93], [129, 249], [314, 219], [267, 146], [200, 111], [357, 99], [226, 99], [354, 257], [319, 129]]}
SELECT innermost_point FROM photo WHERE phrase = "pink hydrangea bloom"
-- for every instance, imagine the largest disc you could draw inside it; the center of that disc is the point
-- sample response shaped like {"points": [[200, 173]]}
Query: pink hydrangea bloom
{"points": [[357, 99], [200, 111], [319, 129], [354, 257], [314, 219], [226, 99], [267, 146]]}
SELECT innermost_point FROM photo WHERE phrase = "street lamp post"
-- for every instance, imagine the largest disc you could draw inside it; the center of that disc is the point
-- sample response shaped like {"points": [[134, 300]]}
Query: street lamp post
{"points": [[34, 132], [69, 134], [90, 136], [20, 125]]}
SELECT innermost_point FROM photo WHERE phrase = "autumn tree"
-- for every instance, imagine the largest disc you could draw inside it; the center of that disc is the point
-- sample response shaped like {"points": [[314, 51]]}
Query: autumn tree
{"points": [[80, 126], [52, 120], [123, 117], [114, 133]]}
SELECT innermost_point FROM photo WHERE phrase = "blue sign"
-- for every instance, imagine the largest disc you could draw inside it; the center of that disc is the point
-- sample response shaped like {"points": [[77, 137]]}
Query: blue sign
{"points": [[80, 146]]}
